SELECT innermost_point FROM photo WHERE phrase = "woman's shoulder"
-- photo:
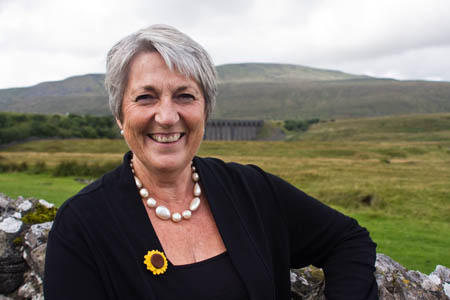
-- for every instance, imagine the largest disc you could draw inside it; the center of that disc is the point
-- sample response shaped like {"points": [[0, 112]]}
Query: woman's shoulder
{"points": [[89, 199], [83, 197], [235, 176], [218, 165]]}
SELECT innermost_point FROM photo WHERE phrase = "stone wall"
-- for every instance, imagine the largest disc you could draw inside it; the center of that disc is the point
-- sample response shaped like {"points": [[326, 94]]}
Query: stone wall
{"points": [[23, 240], [394, 282], [232, 130]]}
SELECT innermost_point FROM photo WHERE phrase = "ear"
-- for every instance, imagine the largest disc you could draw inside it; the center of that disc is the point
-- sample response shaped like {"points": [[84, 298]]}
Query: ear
{"points": [[119, 123]]}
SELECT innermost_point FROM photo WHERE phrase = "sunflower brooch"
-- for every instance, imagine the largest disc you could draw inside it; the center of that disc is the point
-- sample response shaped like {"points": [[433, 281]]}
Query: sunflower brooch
{"points": [[156, 262]]}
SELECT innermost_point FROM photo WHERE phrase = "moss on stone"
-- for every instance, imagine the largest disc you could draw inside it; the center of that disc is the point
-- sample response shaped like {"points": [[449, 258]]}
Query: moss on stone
{"points": [[317, 273], [40, 214], [17, 241]]}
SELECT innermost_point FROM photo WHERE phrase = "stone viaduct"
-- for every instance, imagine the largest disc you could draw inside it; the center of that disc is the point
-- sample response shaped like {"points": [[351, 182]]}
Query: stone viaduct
{"points": [[232, 130]]}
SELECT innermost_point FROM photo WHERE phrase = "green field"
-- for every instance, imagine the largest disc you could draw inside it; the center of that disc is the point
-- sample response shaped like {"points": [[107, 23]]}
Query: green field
{"points": [[44, 186], [391, 174]]}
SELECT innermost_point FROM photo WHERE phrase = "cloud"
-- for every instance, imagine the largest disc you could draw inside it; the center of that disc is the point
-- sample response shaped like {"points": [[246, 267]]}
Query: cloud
{"points": [[429, 63], [348, 30], [32, 68], [351, 30], [361, 36]]}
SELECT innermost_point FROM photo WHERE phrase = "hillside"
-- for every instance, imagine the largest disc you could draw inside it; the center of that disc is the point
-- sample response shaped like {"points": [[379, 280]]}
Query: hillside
{"points": [[331, 99], [427, 128], [257, 91], [259, 72], [79, 94]]}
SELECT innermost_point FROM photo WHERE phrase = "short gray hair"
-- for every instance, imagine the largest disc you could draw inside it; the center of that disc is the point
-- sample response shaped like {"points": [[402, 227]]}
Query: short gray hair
{"points": [[179, 52]]}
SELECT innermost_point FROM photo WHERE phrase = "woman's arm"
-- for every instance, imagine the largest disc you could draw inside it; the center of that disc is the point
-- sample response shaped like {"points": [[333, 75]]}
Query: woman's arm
{"points": [[321, 236], [70, 268]]}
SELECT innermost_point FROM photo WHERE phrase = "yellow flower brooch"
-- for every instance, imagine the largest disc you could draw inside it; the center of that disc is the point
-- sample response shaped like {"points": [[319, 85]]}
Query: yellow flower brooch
{"points": [[156, 262]]}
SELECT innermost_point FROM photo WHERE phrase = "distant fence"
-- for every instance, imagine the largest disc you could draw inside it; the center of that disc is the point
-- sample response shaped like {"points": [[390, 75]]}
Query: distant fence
{"points": [[233, 130]]}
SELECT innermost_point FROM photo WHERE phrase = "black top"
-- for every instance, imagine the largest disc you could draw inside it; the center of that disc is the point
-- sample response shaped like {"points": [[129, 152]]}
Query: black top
{"points": [[213, 278], [99, 238]]}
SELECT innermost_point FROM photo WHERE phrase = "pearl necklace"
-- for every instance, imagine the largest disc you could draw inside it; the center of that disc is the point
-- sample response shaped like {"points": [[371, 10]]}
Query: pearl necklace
{"points": [[163, 212]]}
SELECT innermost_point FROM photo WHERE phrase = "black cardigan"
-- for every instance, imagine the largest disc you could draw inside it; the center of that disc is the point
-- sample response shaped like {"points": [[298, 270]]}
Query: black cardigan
{"points": [[99, 238]]}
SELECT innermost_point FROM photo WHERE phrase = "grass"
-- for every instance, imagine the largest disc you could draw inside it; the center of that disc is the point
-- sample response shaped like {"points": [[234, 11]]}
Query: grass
{"points": [[103, 146], [53, 189], [408, 128], [416, 244], [396, 187]]}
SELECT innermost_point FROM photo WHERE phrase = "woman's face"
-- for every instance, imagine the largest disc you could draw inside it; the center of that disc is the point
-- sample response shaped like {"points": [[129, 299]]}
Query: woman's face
{"points": [[163, 114]]}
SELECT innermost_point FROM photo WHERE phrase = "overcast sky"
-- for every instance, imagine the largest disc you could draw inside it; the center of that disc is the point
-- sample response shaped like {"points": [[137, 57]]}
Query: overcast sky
{"points": [[46, 40]]}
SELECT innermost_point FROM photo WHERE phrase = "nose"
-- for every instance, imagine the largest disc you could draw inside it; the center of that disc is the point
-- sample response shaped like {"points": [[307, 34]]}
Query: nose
{"points": [[167, 113]]}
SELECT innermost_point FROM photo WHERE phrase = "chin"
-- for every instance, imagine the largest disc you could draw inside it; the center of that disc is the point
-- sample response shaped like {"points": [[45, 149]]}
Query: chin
{"points": [[170, 162]]}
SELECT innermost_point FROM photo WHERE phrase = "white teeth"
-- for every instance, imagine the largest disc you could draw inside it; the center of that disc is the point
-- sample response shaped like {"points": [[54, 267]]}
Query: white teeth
{"points": [[166, 138]]}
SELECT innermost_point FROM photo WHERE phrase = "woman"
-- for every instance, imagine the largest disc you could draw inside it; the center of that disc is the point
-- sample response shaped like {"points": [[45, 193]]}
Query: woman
{"points": [[167, 224]]}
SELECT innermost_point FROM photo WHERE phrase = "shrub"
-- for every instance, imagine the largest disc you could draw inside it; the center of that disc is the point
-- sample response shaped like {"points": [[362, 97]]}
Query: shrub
{"points": [[23, 167], [18, 127], [4, 167], [66, 168], [39, 167], [299, 125], [13, 167], [74, 168]]}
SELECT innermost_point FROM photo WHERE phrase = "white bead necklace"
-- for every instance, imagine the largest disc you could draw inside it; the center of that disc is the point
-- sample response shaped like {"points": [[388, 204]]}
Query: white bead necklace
{"points": [[163, 212]]}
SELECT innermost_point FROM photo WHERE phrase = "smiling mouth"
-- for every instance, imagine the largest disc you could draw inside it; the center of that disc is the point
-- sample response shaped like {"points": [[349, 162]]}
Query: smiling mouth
{"points": [[166, 138]]}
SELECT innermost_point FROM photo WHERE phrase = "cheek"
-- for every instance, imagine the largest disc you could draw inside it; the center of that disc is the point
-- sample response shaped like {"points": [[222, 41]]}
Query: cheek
{"points": [[196, 127], [200, 124], [135, 121]]}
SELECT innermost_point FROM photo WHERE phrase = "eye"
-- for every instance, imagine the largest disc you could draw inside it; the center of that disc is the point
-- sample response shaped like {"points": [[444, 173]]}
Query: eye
{"points": [[186, 97], [144, 97]]}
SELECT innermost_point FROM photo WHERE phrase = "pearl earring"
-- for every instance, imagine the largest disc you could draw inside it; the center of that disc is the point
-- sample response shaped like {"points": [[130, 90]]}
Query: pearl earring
{"points": [[121, 132]]}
